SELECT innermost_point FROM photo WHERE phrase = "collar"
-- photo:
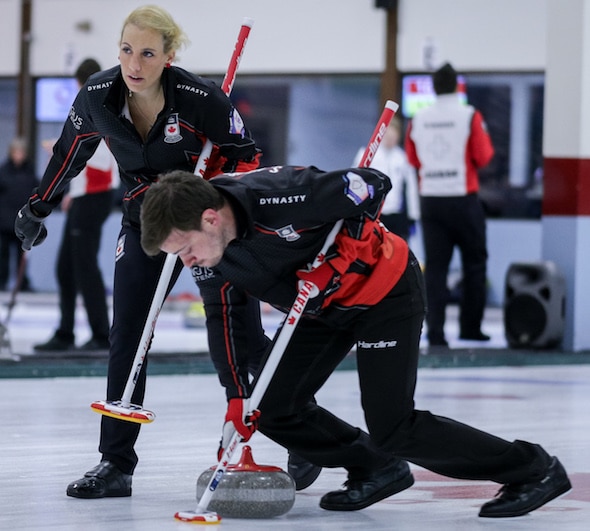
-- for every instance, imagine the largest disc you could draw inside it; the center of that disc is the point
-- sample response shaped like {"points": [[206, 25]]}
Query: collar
{"points": [[116, 101]]}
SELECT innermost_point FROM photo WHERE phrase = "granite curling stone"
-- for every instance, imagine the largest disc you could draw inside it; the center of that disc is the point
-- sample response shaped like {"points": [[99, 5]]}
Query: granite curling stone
{"points": [[249, 490]]}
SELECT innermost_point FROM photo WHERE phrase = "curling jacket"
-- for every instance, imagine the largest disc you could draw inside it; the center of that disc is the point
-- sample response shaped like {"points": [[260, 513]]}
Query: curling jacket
{"points": [[284, 215], [195, 109]]}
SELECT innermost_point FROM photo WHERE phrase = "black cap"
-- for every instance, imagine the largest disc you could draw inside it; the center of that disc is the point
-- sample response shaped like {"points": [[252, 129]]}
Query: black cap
{"points": [[444, 80]]}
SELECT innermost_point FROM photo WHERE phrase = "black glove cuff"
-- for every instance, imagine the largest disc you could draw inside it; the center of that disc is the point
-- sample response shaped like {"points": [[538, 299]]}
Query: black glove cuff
{"points": [[28, 211]]}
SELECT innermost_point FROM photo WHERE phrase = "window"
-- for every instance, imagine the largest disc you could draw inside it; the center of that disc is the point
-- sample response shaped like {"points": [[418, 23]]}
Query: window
{"points": [[512, 106]]}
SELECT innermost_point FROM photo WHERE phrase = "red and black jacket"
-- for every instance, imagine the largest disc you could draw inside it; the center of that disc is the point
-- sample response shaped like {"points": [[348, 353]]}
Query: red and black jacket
{"points": [[285, 215]]}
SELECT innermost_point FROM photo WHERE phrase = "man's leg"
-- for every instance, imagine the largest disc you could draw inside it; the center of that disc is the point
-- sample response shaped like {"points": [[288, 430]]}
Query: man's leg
{"points": [[292, 418], [438, 249], [88, 215], [63, 338], [474, 255], [387, 375]]}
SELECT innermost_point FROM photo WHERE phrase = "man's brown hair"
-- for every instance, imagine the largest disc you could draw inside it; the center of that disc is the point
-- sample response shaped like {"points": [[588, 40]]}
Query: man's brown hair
{"points": [[176, 201]]}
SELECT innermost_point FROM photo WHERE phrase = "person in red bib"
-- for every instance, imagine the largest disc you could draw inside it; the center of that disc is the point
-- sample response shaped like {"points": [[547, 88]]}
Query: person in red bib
{"points": [[448, 142], [87, 204]]}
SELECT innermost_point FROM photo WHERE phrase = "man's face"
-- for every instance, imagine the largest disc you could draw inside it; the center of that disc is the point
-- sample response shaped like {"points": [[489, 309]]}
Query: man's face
{"points": [[203, 247]]}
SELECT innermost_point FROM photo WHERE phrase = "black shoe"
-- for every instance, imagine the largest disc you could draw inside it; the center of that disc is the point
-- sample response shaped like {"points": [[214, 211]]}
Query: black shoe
{"points": [[59, 342], [474, 336], [103, 481], [517, 500], [360, 493], [303, 472], [95, 344]]}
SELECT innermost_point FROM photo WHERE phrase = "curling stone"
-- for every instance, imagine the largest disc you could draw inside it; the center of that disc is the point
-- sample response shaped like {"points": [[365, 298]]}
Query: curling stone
{"points": [[249, 490]]}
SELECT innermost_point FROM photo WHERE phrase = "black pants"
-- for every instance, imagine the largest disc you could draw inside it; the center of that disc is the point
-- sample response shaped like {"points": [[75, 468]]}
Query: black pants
{"points": [[449, 222], [77, 268], [387, 337]]}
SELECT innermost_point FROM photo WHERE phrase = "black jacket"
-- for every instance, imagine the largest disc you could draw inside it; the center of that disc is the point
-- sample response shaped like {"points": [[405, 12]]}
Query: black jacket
{"points": [[195, 109], [16, 183], [284, 215]]}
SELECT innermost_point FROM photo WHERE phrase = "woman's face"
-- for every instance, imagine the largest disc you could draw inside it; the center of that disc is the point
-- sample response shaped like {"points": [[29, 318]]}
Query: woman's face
{"points": [[142, 58]]}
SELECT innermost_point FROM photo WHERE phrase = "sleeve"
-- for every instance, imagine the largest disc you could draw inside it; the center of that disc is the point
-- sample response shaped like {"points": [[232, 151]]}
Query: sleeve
{"points": [[480, 144], [358, 203], [77, 143], [237, 343], [234, 149], [349, 194], [410, 148]]}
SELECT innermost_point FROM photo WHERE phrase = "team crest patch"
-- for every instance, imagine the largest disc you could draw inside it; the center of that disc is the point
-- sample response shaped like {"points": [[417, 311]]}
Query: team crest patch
{"points": [[288, 233], [236, 124], [357, 190], [120, 249], [172, 130]]}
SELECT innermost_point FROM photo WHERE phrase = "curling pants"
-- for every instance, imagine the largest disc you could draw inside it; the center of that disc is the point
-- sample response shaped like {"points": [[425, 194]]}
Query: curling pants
{"points": [[77, 267], [449, 222], [387, 337]]}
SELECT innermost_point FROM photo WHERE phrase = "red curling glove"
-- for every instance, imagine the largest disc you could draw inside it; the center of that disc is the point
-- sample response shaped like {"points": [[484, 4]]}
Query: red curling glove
{"points": [[235, 420], [326, 280]]}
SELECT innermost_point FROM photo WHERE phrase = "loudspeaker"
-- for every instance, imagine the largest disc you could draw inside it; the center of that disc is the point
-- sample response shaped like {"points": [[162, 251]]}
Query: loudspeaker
{"points": [[534, 305]]}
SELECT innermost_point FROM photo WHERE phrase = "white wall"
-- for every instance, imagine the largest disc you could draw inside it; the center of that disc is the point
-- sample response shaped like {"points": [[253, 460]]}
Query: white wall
{"points": [[475, 35], [289, 37], [303, 36]]}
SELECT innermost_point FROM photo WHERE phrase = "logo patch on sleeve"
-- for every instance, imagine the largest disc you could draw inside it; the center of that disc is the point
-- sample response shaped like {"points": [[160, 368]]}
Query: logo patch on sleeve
{"points": [[120, 249], [357, 190], [236, 124]]}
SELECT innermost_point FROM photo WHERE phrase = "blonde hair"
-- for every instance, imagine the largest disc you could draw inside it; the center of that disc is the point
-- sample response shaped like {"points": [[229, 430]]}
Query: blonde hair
{"points": [[158, 19]]}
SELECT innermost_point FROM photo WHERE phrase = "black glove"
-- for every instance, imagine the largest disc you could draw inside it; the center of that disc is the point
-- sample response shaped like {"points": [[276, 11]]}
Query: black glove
{"points": [[29, 228]]}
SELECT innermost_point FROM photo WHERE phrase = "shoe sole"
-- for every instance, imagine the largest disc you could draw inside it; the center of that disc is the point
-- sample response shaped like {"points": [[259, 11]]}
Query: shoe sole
{"points": [[390, 490], [84, 496], [566, 487]]}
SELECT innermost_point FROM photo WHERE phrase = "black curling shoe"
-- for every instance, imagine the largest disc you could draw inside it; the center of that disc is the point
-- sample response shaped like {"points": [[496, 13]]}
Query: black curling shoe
{"points": [[104, 481], [360, 493], [517, 500], [303, 472]]}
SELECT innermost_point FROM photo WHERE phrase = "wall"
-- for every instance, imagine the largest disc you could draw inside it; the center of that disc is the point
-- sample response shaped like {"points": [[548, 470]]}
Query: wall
{"points": [[303, 36], [475, 35], [291, 37]]}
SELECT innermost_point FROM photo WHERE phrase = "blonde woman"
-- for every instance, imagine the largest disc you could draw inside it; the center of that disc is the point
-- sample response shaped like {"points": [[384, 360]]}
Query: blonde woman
{"points": [[154, 117]]}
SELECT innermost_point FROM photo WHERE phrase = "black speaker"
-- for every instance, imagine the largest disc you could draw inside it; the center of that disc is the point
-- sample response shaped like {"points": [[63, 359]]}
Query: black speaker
{"points": [[534, 305]]}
